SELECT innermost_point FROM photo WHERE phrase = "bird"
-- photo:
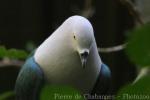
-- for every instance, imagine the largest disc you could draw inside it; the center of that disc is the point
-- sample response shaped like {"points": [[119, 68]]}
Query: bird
{"points": [[69, 56]]}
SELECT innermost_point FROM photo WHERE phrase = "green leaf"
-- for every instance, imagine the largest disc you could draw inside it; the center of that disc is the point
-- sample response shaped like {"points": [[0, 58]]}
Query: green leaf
{"points": [[138, 47], [2, 51], [12, 53], [6, 95], [138, 91], [53, 92]]}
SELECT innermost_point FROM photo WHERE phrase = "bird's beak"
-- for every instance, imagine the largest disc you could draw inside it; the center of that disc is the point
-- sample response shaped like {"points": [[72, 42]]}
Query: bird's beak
{"points": [[84, 56]]}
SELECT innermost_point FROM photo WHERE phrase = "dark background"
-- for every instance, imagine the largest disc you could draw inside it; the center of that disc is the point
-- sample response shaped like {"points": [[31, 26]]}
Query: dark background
{"points": [[22, 21]]}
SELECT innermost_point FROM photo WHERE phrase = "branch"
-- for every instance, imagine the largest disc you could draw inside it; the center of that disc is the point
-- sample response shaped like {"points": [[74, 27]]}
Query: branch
{"points": [[112, 49], [143, 72], [133, 10], [7, 62], [88, 10]]}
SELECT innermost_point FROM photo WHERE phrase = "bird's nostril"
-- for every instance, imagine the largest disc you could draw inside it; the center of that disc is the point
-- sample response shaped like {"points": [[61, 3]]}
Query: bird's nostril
{"points": [[84, 54]]}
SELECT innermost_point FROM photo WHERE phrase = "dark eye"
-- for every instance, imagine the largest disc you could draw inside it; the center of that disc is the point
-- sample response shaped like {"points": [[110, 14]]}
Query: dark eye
{"points": [[74, 37]]}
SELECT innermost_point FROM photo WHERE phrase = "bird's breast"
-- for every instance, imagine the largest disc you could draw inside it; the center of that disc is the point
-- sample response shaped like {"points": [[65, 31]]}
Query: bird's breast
{"points": [[66, 69]]}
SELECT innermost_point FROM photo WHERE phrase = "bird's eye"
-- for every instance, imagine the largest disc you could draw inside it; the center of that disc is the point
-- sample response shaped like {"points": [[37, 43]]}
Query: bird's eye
{"points": [[74, 37]]}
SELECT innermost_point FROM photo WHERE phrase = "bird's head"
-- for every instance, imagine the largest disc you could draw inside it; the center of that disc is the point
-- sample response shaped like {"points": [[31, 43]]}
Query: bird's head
{"points": [[83, 37], [75, 35]]}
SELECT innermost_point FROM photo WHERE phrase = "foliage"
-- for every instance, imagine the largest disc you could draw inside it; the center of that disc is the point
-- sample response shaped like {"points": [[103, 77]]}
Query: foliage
{"points": [[138, 91], [6, 95], [12, 53], [53, 92], [138, 50]]}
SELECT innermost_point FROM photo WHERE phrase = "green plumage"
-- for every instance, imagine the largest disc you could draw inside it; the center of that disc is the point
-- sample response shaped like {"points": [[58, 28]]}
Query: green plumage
{"points": [[29, 81]]}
